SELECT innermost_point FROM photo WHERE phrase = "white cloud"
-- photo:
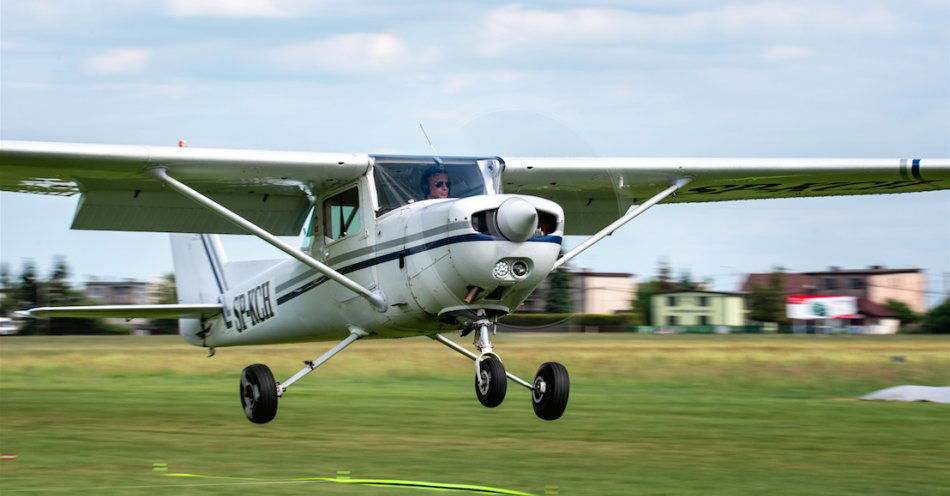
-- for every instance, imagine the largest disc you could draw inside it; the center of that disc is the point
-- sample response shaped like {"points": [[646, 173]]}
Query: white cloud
{"points": [[353, 52], [778, 53], [227, 8], [120, 61], [457, 83], [514, 26]]}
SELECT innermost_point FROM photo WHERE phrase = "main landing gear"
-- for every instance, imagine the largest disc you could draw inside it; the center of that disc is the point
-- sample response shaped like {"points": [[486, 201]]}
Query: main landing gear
{"points": [[259, 391], [549, 392]]}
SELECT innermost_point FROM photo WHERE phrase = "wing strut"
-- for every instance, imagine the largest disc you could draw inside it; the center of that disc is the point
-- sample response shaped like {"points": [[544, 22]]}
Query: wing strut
{"points": [[376, 298], [643, 207]]}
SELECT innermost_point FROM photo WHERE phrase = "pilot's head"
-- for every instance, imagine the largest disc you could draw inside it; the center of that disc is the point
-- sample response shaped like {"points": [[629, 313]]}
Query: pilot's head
{"points": [[435, 183]]}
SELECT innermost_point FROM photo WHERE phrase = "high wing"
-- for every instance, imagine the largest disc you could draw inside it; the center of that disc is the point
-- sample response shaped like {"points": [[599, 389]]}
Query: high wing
{"points": [[191, 310], [271, 189], [274, 190], [596, 191]]}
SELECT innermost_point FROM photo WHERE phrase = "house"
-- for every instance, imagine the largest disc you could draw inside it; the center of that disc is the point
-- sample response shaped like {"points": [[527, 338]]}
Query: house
{"points": [[875, 284], [604, 292], [127, 292], [876, 319], [698, 307], [591, 292]]}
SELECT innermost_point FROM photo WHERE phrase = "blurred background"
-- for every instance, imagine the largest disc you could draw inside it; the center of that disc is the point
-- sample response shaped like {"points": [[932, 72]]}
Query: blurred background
{"points": [[641, 78]]}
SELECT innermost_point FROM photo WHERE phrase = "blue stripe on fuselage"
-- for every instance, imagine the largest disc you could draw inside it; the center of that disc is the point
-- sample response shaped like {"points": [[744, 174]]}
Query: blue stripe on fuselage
{"points": [[406, 252]]}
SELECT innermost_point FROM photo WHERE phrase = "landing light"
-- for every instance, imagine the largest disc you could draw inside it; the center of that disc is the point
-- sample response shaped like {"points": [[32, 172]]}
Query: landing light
{"points": [[501, 269], [519, 268]]}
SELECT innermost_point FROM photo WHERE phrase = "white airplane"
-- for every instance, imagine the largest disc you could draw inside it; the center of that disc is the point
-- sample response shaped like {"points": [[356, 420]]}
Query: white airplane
{"points": [[396, 246]]}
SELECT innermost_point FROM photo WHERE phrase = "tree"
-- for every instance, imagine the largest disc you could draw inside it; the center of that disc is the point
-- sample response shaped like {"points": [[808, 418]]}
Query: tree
{"points": [[8, 287], [5, 281], [767, 303], [642, 305], [56, 292], [27, 291], [685, 282], [559, 291], [664, 275], [938, 320], [165, 294], [903, 311]]}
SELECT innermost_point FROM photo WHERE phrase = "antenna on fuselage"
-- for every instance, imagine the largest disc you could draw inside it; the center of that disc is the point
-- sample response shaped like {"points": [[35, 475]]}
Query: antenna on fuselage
{"points": [[427, 139]]}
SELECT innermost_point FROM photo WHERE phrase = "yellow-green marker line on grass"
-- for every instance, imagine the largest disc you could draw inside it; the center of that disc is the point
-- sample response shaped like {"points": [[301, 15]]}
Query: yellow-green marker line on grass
{"points": [[435, 486]]}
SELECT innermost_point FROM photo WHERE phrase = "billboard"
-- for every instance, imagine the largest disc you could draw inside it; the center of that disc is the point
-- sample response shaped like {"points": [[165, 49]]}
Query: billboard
{"points": [[810, 307]]}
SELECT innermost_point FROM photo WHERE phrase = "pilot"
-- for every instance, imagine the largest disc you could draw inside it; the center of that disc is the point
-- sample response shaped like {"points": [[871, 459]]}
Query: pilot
{"points": [[435, 183]]}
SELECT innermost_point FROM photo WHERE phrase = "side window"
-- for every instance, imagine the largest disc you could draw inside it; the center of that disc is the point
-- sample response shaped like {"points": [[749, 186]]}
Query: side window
{"points": [[341, 214]]}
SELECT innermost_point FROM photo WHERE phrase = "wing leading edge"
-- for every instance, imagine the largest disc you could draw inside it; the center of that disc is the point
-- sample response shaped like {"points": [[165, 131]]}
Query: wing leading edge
{"points": [[595, 191]]}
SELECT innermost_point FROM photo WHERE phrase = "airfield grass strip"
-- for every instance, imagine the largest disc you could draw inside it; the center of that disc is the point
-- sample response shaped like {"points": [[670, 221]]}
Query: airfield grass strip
{"points": [[693, 416]]}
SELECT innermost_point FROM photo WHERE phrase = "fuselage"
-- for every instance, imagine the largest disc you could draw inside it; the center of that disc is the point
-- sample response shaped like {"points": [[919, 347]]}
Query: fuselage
{"points": [[438, 262]]}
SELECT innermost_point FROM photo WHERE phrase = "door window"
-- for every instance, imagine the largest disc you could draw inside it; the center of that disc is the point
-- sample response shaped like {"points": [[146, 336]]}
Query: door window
{"points": [[341, 214]]}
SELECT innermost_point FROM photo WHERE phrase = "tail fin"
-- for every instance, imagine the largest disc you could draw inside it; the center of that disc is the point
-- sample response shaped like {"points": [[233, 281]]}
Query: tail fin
{"points": [[199, 267]]}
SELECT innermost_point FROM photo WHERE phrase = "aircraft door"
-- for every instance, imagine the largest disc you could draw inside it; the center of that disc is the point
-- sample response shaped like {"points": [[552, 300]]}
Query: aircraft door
{"points": [[348, 235], [425, 286]]}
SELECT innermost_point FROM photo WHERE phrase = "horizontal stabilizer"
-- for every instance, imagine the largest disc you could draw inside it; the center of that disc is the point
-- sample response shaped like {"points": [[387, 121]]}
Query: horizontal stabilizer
{"points": [[128, 311]]}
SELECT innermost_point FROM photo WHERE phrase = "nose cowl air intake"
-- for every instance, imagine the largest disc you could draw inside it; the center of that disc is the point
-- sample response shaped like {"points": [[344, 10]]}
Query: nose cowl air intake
{"points": [[517, 219]]}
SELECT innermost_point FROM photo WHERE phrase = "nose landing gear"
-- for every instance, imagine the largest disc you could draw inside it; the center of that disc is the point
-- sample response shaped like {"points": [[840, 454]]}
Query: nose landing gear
{"points": [[549, 392], [491, 382]]}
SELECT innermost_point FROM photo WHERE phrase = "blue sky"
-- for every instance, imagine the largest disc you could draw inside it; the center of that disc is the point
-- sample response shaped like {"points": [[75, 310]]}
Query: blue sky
{"points": [[609, 78]]}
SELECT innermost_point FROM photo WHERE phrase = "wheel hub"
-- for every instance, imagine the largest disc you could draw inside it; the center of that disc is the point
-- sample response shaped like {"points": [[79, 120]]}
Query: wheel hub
{"points": [[484, 378], [251, 395], [537, 394]]}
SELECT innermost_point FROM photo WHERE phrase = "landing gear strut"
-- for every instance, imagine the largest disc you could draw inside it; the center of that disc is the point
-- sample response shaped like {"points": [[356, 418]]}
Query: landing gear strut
{"points": [[259, 391], [549, 392]]}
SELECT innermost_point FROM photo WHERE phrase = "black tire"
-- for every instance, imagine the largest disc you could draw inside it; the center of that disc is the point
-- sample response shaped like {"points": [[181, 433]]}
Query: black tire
{"points": [[550, 404], [258, 394], [494, 382]]}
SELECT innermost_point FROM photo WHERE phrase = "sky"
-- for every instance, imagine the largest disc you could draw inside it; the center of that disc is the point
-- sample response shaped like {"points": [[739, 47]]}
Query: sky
{"points": [[650, 78]]}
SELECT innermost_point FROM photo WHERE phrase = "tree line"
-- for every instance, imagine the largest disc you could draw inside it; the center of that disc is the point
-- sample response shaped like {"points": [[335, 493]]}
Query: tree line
{"points": [[29, 289]]}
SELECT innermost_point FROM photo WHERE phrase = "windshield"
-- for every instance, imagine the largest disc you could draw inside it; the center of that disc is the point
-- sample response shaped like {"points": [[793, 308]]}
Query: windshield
{"points": [[404, 180]]}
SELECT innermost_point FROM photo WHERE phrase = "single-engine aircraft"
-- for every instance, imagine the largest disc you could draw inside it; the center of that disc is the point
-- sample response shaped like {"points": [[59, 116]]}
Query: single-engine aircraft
{"points": [[395, 245]]}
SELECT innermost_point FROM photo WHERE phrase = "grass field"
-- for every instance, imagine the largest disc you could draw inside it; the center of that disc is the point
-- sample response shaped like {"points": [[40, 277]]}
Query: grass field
{"points": [[648, 415]]}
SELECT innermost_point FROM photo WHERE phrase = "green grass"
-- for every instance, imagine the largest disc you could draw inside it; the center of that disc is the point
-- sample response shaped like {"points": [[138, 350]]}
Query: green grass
{"points": [[648, 415]]}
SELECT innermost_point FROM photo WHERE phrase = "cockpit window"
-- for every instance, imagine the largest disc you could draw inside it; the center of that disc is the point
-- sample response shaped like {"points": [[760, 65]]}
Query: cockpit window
{"points": [[404, 180]]}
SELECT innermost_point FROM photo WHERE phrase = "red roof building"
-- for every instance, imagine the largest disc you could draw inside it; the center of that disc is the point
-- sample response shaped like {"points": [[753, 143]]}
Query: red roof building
{"points": [[876, 284]]}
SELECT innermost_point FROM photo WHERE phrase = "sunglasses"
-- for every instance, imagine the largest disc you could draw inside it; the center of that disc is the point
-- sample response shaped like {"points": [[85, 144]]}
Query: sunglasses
{"points": [[447, 184]]}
